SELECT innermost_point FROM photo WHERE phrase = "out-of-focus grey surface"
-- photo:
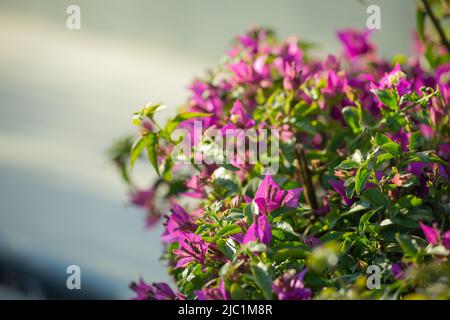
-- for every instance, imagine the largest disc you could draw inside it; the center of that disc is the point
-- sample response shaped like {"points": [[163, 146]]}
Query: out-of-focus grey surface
{"points": [[65, 95]]}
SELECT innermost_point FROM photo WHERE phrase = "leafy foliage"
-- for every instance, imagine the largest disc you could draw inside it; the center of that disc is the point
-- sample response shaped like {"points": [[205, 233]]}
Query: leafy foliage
{"points": [[363, 177]]}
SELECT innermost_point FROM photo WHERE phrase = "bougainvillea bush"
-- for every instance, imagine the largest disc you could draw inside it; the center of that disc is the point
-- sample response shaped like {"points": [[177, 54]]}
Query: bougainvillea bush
{"points": [[358, 207]]}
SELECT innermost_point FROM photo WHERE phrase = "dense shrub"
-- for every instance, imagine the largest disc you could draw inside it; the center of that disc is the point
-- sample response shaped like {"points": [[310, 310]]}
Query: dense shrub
{"points": [[362, 183]]}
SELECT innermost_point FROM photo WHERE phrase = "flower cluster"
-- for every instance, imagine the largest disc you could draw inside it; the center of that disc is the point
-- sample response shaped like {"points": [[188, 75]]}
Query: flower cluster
{"points": [[363, 177]]}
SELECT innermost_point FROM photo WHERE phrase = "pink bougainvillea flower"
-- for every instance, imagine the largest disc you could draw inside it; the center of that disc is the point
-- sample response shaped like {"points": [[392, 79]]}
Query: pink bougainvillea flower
{"points": [[239, 116], [324, 208], [395, 78], [289, 54], [339, 187], [194, 126], [251, 40], [437, 113], [286, 134], [142, 290], [261, 68], [290, 287], [364, 83], [146, 199], [205, 98], [259, 231], [192, 248], [336, 84], [292, 76], [401, 137], [356, 43], [426, 131], [179, 222], [401, 179], [219, 293], [270, 197], [331, 63], [147, 125], [398, 271], [310, 241], [257, 73], [443, 80], [430, 233], [143, 198], [417, 168], [248, 42], [242, 72], [288, 63], [155, 291], [446, 240], [434, 236], [196, 184]]}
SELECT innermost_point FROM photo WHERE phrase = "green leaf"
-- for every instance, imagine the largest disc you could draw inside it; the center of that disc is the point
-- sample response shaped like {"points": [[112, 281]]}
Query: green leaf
{"points": [[352, 117], [237, 293], [119, 152], [358, 206], [364, 221], [347, 165], [286, 227], [172, 124], [405, 221], [229, 230], [332, 236], [152, 147], [233, 216], [395, 121], [136, 150], [409, 201], [388, 232], [149, 141], [357, 157], [393, 148], [256, 246], [420, 214], [283, 254], [427, 156], [382, 139], [415, 141], [229, 167], [387, 98], [420, 19], [383, 158], [377, 198], [167, 172], [361, 179], [251, 210], [262, 279], [147, 111], [408, 245], [436, 159], [120, 149], [226, 248]]}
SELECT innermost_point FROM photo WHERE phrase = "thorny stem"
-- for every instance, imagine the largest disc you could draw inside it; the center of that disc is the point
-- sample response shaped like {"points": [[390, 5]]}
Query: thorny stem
{"points": [[436, 24], [305, 177]]}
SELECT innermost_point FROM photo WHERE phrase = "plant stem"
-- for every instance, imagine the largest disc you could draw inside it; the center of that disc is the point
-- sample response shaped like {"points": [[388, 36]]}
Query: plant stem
{"points": [[305, 177], [436, 24]]}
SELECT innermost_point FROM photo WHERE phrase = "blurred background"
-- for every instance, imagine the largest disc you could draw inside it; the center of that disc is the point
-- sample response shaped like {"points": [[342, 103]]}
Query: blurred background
{"points": [[66, 95]]}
